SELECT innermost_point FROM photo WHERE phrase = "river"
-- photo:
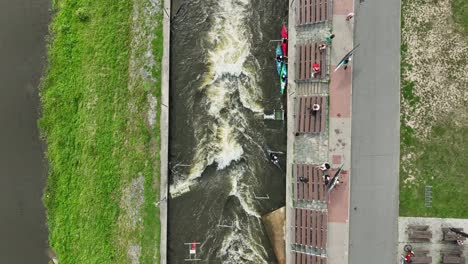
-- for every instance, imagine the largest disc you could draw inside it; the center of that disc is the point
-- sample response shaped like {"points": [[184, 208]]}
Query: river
{"points": [[23, 30], [223, 78]]}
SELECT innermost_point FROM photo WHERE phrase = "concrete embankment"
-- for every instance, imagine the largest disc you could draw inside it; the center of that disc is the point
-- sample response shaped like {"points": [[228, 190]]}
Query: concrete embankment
{"points": [[165, 129], [274, 225]]}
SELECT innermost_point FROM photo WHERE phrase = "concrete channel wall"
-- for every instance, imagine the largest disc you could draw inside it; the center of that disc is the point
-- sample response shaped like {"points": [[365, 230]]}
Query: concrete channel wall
{"points": [[164, 154]]}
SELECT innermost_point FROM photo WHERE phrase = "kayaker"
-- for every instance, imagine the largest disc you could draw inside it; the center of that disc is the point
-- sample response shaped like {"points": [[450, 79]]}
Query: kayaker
{"points": [[281, 58], [274, 158], [283, 77]]}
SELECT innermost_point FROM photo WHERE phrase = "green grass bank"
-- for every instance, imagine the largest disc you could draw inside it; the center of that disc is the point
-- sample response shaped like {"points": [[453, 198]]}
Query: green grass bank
{"points": [[434, 148], [100, 118]]}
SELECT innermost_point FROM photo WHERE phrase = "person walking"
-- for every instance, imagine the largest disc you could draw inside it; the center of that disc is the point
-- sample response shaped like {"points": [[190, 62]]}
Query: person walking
{"points": [[349, 16], [346, 63], [329, 38]]}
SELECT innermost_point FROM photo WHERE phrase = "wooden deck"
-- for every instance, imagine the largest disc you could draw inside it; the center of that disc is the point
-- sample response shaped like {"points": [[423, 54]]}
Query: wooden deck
{"points": [[308, 121], [312, 190], [306, 55], [313, 11], [302, 258], [311, 228]]}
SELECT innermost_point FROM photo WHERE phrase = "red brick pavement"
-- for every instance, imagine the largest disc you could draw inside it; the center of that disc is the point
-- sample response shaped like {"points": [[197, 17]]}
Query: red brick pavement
{"points": [[338, 200], [342, 7], [340, 92]]}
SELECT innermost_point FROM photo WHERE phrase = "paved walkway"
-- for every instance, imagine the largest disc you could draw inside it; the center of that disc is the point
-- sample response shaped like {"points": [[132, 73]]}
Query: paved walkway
{"points": [[375, 133], [164, 154], [340, 132], [335, 145]]}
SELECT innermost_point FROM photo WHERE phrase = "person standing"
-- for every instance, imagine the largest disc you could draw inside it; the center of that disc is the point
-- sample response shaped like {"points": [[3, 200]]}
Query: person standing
{"points": [[349, 16], [326, 179], [322, 47], [346, 63], [325, 166]]}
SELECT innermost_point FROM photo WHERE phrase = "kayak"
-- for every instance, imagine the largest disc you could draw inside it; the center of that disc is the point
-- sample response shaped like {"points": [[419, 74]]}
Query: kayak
{"points": [[284, 43], [283, 81], [279, 62], [284, 32]]}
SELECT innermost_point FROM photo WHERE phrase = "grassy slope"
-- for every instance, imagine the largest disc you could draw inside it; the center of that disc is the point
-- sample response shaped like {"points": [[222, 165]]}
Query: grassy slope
{"points": [[443, 161], [95, 143]]}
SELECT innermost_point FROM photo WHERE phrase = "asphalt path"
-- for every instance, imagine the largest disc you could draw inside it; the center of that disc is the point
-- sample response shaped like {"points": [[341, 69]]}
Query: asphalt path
{"points": [[375, 133], [23, 232]]}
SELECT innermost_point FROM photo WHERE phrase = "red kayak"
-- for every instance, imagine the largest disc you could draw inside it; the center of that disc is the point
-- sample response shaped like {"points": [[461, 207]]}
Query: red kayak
{"points": [[284, 43]]}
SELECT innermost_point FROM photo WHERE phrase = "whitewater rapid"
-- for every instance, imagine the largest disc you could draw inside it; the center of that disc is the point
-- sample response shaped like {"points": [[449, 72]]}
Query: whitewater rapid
{"points": [[227, 156]]}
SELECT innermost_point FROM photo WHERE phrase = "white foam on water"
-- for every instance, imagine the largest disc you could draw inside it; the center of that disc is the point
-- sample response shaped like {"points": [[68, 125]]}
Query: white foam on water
{"points": [[239, 246], [243, 193], [231, 74], [229, 149], [228, 74]]}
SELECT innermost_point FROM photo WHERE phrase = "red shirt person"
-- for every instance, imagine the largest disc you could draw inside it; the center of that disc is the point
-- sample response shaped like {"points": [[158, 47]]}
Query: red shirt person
{"points": [[315, 69], [409, 256]]}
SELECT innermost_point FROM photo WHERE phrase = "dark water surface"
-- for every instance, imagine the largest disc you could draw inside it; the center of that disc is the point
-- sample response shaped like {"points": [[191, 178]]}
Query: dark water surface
{"points": [[223, 78], [23, 233]]}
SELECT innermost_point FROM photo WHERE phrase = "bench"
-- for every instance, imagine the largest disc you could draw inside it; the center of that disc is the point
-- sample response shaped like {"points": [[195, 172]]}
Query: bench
{"points": [[312, 11], [311, 190], [452, 236], [421, 260], [307, 54], [453, 260], [420, 235], [418, 227], [308, 120]]}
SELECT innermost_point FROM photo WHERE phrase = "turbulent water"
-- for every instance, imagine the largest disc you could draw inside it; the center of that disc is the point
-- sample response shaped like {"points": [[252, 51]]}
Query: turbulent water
{"points": [[223, 79]]}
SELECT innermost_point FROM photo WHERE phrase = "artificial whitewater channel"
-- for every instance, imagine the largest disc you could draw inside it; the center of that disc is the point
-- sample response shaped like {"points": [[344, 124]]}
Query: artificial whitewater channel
{"points": [[223, 79]]}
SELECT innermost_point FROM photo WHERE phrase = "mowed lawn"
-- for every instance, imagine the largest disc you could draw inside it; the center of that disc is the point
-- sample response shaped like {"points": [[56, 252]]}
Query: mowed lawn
{"points": [[97, 134], [442, 158], [443, 165]]}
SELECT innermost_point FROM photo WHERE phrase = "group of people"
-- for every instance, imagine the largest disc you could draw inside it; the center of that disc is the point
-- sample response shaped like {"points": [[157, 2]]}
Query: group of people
{"points": [[323, 46], [325, 167], [315, 66]]}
